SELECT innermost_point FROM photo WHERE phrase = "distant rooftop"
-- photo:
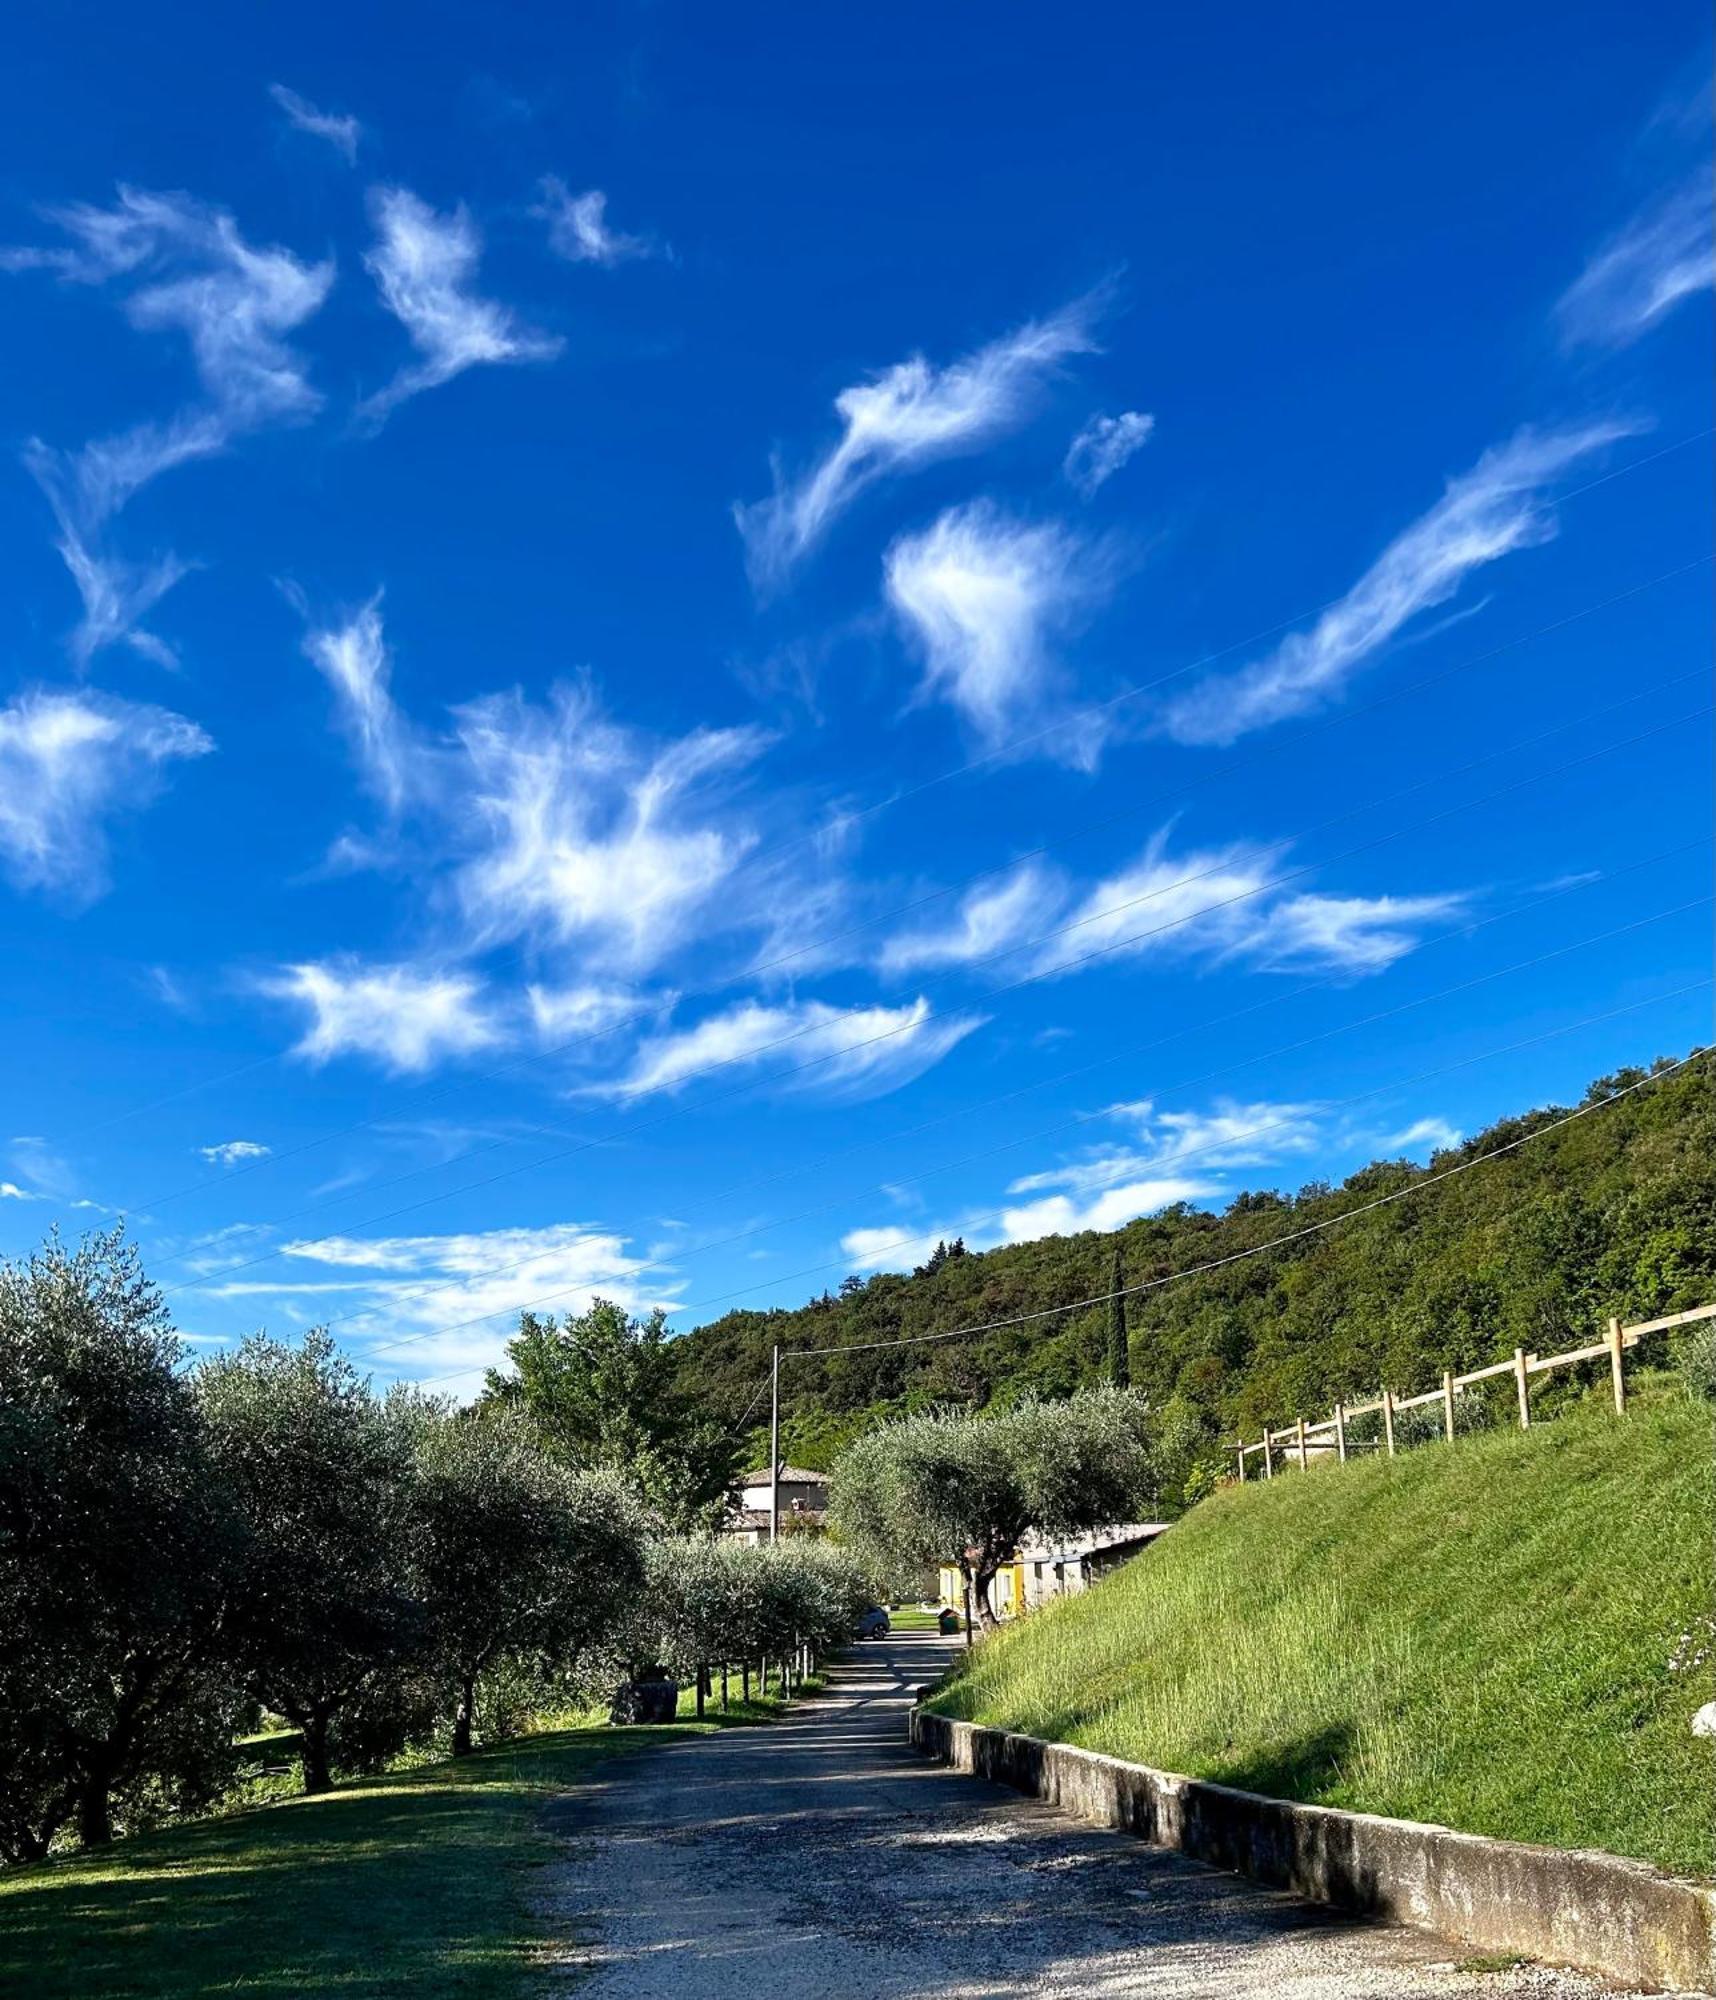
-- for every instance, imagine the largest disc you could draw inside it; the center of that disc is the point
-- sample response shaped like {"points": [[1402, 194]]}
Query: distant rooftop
{"points": [[790, 1474]]}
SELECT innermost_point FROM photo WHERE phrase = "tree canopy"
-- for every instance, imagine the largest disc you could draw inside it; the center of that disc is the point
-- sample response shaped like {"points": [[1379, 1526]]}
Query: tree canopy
{"points": [[603, 1392], [947, 1487]]}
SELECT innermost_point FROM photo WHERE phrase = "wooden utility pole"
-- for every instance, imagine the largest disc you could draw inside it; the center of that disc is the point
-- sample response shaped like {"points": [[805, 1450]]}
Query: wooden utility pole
{"points": [[775, 1446]]}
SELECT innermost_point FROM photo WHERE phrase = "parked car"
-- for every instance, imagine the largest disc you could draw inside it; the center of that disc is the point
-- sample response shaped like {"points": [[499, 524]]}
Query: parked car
{"points": [[874, 1624]]}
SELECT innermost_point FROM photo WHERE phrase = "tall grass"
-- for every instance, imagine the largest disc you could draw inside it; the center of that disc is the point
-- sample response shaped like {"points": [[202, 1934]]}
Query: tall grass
{"points": [[1481, 1635]]}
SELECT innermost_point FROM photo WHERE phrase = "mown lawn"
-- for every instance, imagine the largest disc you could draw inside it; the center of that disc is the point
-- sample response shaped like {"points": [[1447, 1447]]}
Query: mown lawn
{"points": [[417, 1883], [1479, 1635]]}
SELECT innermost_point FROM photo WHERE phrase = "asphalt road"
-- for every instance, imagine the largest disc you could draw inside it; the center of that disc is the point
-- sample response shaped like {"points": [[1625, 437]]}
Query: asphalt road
{"points": [[819, 1856]]}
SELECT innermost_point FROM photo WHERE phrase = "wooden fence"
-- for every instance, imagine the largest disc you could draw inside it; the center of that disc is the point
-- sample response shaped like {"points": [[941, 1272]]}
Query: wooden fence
{"points": [[1301, 1442]]}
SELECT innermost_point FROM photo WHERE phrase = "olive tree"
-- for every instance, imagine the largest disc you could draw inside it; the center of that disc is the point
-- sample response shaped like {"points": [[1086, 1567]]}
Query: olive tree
{"points": [[321, 1472], [116, 1554], [519, 1559], [948, 1487]]}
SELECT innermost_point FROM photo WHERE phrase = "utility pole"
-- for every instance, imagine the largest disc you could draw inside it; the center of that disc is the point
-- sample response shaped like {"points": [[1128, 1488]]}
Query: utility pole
{"points": [[775, 1446]]}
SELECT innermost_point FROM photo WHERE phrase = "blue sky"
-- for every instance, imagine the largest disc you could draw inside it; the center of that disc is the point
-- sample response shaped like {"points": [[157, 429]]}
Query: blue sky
{"points": [[667, 655]]}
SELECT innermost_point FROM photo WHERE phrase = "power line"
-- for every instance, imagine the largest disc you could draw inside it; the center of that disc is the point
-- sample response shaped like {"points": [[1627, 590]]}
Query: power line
{"points": [[990, 757], [461, 1326], [751, 973], [634, 1270], [1053, 969], [1257, 1249]]}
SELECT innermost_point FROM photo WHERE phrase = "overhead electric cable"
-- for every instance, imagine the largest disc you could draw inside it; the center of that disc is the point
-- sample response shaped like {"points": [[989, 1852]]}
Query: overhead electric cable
{"points": [[992, 756], [698, 1305], [1053, 969], [1261, 1249], [633, 1269]]}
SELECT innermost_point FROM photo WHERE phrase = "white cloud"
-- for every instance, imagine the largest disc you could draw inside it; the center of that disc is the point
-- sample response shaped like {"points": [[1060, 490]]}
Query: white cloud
{"points": [[841, 1052], [402, 1017], [578, 227], [11, 1191], [424, 264], [354, 659], [908, 416], [234, 1152], [1218, 903], [564, 1013], [1103, 446], [1503, 504], [1661, 255], [1423, 1135], [1199, 902], [235, 304], [1107, 1208], [578, 833], [421, 1289], [68, 764], [983, 597], [340, 129], [989, 919], [1355, 933]]}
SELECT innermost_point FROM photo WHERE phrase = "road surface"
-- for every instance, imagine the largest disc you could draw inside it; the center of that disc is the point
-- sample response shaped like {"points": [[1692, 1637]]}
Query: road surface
{"points": [[819, 1858]]}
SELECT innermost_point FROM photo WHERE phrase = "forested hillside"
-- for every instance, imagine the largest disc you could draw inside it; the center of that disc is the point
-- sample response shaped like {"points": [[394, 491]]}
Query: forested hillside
{"points": [[1613, 1213]]}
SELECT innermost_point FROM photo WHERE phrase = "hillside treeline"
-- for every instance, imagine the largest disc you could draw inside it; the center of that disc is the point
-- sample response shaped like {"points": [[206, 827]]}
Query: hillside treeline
{"points": [[1613, 1213]]}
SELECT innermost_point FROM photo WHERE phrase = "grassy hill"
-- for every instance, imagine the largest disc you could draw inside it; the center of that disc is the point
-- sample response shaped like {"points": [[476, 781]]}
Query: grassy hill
{"points": [[1615, 1213], [1478, 1635]]}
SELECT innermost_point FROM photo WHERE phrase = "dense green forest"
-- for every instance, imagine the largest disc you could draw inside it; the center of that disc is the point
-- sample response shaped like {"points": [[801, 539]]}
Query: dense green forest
{"points": [[1612, 1213]]}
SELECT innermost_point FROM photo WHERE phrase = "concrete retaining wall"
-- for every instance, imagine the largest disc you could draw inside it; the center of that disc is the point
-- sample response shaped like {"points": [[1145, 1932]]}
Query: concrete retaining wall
{"points": [[1621, 1919]]}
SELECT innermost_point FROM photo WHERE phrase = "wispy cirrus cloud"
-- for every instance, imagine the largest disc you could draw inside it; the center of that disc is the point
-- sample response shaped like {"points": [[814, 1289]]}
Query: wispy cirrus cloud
{"points": [[579, 230], [985, 922], [407, 1018], [410, 1298], [1423, 1135], [234, 1152], [984, 598], [1662, 255], [338, 129], [424, 264], [844, 1053], [69, 764], [1217, 905], [905, 417], [353, 658], [575, 830], [1103, 446], [192, 272], [1504, 504]]}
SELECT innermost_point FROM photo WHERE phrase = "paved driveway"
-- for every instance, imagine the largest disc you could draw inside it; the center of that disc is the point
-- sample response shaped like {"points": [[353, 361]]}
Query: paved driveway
{"points": [[819, 1858]]}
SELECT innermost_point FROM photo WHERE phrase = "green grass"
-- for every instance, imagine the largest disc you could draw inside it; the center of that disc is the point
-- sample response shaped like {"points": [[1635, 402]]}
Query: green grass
{"points": [[418, 1883], [1477, 1635], [909, 1618]]}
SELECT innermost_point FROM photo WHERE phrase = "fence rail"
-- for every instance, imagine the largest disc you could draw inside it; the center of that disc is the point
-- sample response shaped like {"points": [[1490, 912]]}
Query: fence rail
{"points": [[1328, 1435]]}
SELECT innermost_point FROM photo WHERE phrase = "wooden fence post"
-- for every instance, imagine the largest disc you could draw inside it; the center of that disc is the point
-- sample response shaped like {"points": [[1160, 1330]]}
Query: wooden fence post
{"points": [[1616, 1372], [1341, 1432], [1520, 1383], [1241, 1451], [1304, 1462], [1268, 1456], [1448, 1403], [1388, 1419]]}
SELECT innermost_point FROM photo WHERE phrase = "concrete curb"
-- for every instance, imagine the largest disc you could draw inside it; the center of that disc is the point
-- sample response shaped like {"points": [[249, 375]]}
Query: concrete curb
{"points": [[1621, 1919]]}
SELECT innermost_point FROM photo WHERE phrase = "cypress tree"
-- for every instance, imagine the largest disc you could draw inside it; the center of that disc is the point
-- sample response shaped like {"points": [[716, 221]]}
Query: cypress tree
{"points": [[1119, 1359]]}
